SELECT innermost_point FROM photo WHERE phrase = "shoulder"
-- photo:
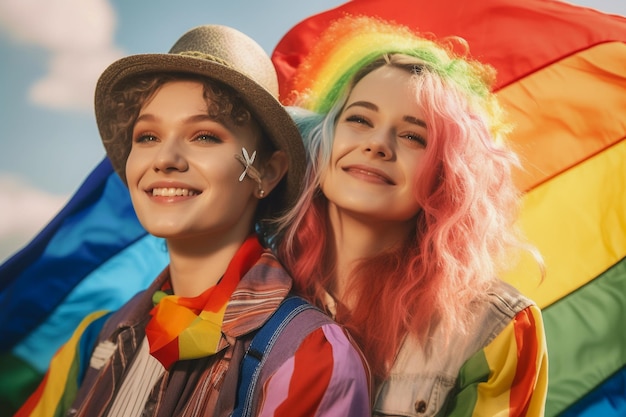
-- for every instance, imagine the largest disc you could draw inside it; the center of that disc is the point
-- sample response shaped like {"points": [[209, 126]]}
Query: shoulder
{"points": [[505, 344], [504, 298], [258, 295], [493, 316], [135, 310], [311, 332], [493, 313], [333, 342], [319, 368], [266, 276], [316, 338], [133, 313]]}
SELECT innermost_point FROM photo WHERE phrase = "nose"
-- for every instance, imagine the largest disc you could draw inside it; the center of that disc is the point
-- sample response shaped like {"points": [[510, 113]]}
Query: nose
{"points": [[170, 157], [378, 145]]}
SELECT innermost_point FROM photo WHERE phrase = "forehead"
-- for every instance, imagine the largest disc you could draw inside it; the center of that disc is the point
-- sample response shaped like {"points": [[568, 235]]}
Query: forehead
{"points": [[389, 89], [387, 77], [188, 100], [173, 93]]}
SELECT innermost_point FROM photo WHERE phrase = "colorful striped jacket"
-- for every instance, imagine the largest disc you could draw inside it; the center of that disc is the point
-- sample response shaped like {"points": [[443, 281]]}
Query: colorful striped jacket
{"points": [[499, 369], [319, 373]]}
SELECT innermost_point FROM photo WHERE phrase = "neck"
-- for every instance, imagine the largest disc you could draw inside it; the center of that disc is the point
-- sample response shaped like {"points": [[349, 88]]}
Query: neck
{"points": [[196, 265], [356, 239]]}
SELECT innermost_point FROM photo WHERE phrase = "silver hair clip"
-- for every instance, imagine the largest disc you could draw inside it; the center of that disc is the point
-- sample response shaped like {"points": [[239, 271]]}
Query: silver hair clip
{"points": [[247, 162], [249, 170]]}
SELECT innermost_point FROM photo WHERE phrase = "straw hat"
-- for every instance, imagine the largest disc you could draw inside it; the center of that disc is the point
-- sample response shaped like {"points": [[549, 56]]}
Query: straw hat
{"points": [[226, 55]]}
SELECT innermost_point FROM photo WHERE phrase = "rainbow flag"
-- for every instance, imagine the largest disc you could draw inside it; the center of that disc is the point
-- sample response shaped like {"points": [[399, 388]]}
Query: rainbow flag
{"points": [[93, 256], [562, 79]]}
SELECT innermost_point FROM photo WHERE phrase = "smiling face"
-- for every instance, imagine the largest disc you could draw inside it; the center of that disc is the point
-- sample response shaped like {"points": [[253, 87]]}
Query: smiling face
{"points": [[182, 173], [380, 140]]}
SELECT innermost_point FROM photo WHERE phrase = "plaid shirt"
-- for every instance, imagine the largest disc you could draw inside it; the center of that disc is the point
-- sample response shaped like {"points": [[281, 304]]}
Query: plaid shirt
{"points": [[207, 386]]}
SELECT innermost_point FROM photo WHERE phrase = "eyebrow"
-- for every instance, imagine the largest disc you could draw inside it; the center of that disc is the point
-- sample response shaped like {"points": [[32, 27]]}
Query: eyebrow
{"points": [[195, 118], [415, 121], [374, 107]]}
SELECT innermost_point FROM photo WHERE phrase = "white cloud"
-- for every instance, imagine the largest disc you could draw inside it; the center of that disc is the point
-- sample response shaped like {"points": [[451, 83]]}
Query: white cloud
{"points": [[71, 79], [25, 211], [79, 37]]}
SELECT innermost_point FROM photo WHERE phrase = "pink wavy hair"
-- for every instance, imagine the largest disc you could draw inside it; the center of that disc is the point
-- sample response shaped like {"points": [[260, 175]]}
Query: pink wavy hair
{"points": [[462, 235]]}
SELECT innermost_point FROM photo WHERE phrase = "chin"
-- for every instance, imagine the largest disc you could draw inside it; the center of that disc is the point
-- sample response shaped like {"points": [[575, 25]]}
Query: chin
{"points": [[163, 231]]}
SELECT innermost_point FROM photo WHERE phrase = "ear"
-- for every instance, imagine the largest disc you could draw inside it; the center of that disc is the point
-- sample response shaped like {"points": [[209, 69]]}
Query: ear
{"points": [[273, 171]]}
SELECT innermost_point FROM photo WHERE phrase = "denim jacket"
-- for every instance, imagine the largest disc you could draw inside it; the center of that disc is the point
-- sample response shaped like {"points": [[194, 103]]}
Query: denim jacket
{"points": [[446, 379]]}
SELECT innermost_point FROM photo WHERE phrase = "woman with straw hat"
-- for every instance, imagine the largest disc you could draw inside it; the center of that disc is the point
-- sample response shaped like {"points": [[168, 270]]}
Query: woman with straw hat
{"points": [[209, 157]]}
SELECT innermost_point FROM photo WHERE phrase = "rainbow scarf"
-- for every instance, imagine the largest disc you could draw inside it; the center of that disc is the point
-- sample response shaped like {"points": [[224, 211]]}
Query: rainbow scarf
{"points": [[190, 328]]}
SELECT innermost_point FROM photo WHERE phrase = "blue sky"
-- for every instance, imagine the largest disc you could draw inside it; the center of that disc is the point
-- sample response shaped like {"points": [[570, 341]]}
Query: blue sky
{"points": [[52, 54]]}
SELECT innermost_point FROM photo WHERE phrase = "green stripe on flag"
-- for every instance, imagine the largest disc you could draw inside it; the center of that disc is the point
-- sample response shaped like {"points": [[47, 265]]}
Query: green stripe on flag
{"points": [[586, 338], [18, 379]]}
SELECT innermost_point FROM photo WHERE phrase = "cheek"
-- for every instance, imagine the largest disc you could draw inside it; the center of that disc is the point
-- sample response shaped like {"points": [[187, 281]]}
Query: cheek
{"points": [[342, 139], [419, 178], [341, 146], [328, 164], [138, 162], [222, 169], [133, 163], [323, 180], [413, 167]]}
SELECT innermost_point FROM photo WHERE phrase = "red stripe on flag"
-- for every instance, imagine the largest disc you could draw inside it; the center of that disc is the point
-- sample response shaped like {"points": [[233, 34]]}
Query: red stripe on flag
{"points": [[552, 30]]}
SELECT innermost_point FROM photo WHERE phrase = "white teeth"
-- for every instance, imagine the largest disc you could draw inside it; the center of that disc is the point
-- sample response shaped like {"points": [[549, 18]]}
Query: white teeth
{"points": [[173, 192]]}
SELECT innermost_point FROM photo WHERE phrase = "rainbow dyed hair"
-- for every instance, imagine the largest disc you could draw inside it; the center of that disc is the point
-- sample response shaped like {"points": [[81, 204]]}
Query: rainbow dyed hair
{"points": [[353, 42], [464, 230]]}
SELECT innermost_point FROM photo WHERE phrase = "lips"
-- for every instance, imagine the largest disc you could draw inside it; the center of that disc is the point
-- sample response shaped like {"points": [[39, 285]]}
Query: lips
{"points": [[369, 174]]}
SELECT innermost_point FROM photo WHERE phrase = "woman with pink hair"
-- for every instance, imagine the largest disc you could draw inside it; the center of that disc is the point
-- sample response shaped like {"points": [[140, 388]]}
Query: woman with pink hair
{"points": [[407, 220]]}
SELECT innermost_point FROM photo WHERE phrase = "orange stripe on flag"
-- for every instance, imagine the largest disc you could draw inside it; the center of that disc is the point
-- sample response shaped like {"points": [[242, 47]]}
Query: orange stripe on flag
{"points": [[567, 112]]}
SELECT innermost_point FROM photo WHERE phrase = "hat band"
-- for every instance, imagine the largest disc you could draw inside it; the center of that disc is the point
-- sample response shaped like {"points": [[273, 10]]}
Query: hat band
{"points": [[208, 57]]}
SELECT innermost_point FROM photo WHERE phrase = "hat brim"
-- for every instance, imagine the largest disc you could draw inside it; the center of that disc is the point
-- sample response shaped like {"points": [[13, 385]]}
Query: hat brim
{"points": [[265, 108]]}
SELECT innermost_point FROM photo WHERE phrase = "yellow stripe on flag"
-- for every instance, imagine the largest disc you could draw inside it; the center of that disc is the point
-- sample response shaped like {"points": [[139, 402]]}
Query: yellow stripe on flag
{"points": [[59, 369], [578, 222]]}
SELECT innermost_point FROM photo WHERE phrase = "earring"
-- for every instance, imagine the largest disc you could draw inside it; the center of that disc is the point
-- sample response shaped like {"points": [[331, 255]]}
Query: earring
{"points": [[261, 193]]}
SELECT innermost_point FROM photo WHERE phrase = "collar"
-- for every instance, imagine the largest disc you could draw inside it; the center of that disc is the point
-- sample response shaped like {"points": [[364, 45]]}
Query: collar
{"points": [[257, 296]]}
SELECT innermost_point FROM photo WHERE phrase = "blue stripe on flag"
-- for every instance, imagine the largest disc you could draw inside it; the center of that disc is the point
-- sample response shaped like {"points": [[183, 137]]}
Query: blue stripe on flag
{"points": [[97, 223]]}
